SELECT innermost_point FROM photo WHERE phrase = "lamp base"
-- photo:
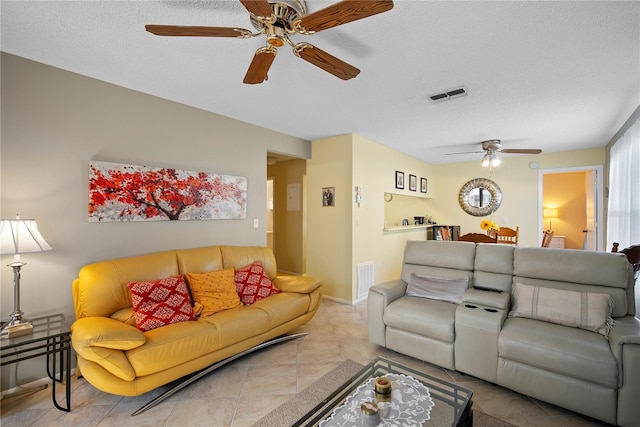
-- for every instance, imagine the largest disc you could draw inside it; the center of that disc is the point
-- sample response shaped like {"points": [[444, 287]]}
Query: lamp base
{"points": [[16, 328]]}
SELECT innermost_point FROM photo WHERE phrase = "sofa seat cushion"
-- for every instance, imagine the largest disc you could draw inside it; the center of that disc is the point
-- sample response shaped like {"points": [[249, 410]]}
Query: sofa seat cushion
{"points": [[172, 345], [565, 350], [283, 307], [427, 317], [238, 324]]}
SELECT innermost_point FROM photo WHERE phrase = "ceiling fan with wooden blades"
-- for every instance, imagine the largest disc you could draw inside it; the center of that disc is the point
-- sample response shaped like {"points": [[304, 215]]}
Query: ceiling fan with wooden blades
{"points": [[492, 147], [280, 19]]}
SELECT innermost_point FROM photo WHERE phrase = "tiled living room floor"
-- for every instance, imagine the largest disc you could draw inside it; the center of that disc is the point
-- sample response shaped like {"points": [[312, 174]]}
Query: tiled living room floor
{"points": [[245, 390]]}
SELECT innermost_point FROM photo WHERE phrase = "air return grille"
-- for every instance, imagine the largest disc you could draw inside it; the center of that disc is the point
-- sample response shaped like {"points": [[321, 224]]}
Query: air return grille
{"points": [[365, 277], [450, 94]]}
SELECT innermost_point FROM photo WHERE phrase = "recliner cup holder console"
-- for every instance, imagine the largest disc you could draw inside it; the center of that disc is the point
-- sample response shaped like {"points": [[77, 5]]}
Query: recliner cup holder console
{"points": [[490, 310]]}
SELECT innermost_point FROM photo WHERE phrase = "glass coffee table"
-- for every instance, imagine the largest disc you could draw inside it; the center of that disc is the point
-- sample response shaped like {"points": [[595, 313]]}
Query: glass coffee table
{"points": [[417, 399]]}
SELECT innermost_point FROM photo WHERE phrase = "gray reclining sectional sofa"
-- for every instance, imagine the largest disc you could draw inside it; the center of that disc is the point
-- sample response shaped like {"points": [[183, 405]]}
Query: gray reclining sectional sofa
{"points": [[535, 320]]}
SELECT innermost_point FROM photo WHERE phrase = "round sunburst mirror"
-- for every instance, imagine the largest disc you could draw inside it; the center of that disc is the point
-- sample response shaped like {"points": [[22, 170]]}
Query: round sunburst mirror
{"points": [[480, 197]]}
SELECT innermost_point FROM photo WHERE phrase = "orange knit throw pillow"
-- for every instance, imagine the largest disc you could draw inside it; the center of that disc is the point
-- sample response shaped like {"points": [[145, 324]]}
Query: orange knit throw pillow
{"points": [[215, 290]]}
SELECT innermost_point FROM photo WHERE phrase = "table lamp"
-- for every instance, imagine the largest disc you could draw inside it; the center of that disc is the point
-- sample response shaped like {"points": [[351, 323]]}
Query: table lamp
{"points": [[550, 213], [18, 236]]}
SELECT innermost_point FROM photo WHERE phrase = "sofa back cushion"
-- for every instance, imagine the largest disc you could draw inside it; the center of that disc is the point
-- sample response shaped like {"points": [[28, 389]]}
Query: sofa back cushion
{"points": [[576, 270], [199, 260], [439, 259], [493, 267], [101, 287]]}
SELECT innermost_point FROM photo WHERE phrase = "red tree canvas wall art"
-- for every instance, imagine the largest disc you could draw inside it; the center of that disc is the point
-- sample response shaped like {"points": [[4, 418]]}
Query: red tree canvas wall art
{"points": [[119, 192]]}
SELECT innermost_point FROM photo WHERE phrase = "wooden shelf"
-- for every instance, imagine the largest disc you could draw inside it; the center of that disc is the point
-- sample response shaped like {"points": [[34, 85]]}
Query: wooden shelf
{"points": [[408, 227]]}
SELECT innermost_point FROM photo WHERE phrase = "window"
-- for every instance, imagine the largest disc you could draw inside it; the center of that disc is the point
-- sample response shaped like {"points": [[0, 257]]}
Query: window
{"points": [[623, 220]]}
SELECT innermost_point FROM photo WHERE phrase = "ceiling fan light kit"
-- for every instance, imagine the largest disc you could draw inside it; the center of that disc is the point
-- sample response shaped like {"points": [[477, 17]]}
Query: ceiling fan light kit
{"points": [[280, 19]]}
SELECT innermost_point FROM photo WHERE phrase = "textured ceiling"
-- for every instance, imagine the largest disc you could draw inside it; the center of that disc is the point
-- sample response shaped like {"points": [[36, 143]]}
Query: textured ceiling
{"points": [[552, 75]]}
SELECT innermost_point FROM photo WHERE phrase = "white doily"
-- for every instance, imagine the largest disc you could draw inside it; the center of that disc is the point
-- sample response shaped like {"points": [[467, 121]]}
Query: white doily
{"points": [[410, 404]]}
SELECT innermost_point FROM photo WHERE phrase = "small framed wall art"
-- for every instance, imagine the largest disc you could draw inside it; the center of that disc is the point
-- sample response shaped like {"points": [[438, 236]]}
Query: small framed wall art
{"points": [[423, 185], [413, 182], [328, 196], [400, 180]]}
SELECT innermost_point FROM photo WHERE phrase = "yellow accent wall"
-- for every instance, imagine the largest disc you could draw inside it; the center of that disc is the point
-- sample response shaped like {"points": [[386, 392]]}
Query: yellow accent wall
{"points": [[572, 216], [342, 236]]}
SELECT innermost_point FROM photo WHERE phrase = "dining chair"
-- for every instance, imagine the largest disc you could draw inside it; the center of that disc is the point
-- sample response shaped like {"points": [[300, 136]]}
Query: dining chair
{"points": [[477, 238], [633, 256], [508, 235], [546, 238]]}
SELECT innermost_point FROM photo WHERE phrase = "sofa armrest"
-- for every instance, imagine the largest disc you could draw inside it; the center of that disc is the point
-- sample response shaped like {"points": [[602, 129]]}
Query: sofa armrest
{"points": [[625, 331], [298, 284], [390, 290], [106, 333], [104, 341], [624, 341], [380, 296], [499, 300]]}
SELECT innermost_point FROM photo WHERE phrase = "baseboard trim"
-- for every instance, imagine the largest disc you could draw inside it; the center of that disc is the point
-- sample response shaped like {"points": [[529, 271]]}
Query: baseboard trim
{"points": [[344, 301]]}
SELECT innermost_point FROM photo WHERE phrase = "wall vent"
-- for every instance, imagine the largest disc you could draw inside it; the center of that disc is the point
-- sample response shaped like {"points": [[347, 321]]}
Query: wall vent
{"points": [[450, 94], [365, 277]]}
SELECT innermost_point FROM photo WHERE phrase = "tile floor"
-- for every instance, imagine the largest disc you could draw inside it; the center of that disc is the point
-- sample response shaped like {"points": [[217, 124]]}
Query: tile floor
{"points": [[249, 388]]}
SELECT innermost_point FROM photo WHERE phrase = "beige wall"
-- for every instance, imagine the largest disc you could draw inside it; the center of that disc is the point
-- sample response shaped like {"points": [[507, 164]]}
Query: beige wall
{"points": [[288, 224], [54, 122]]}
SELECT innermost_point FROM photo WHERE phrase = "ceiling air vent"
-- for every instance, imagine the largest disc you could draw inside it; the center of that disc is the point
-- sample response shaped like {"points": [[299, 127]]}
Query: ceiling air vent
{"points": [[450, 94]]}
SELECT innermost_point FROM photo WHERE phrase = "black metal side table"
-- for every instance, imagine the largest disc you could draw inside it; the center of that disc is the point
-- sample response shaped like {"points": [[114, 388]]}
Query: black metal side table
{"points": [[51, 337]]}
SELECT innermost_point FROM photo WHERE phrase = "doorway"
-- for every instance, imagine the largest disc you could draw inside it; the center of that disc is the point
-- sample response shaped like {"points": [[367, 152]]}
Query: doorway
{"points": [[571, 204], [270, 214], [285, 209]]}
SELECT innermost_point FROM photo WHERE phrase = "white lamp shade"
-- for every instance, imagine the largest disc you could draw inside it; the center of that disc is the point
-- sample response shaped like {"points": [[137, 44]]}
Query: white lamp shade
{"points": [[18, 236]]}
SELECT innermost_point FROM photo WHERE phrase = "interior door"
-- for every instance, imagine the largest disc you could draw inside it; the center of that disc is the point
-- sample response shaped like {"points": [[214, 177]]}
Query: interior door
{"points": [[590, 231]]}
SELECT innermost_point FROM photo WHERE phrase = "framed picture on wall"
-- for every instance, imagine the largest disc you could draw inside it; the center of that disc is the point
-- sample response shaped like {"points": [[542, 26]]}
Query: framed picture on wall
{"points": [[400, 180], [413, 182], [423, 185], [328, 196]]}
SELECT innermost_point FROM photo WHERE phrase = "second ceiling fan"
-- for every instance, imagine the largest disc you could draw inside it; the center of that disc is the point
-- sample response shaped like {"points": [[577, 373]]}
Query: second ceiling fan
{"points": [[492, 147], [279, 19]]}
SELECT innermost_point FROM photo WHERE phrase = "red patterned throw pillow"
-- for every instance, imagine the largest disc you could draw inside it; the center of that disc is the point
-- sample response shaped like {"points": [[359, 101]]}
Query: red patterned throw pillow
{"points": [[252, 284], [160, 303]]}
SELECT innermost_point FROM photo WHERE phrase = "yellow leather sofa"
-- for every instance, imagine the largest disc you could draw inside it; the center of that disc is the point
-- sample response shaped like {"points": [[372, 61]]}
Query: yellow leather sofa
{"points": [[116, 357]]}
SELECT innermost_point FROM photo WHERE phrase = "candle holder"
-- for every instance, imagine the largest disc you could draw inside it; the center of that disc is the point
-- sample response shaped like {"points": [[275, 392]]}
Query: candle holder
{"points": [[382, 388], [370, 413]]}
